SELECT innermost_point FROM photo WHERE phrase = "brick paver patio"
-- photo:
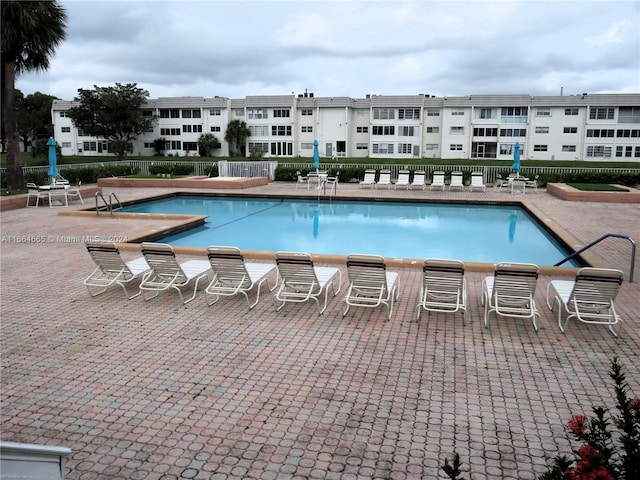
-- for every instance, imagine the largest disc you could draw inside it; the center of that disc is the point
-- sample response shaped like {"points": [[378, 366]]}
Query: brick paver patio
{"points": [[158, 390]]}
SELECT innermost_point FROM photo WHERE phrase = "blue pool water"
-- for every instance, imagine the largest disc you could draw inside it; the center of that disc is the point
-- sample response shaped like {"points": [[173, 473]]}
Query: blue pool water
{"points": [[473, 233]]}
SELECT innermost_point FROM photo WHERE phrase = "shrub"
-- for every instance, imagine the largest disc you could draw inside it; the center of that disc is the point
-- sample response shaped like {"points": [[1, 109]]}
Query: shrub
{"points": [[171, 169]]}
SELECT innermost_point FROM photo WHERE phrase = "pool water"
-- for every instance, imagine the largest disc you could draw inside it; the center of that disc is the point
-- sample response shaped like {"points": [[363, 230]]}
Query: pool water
{"points": [[467, 232]]}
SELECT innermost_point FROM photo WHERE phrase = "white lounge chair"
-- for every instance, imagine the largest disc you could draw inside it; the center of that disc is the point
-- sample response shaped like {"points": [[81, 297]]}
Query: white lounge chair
{"points": [[34, 192], [385, 178], [301, 280], [437, 181], [166, 273], [500, 182], [532, 183], [302, 180], [403, 179], [370, 284], [74, 192], [418, 179], [477, 181], [589, 298], [369, 179], [232, 275], [331, 183], [510, 291], [444, 288], [456, 181], [111, 269]]}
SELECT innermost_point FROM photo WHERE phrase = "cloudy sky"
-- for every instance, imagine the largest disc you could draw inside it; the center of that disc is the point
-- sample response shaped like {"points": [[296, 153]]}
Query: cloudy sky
{"points": [[346, 48]]}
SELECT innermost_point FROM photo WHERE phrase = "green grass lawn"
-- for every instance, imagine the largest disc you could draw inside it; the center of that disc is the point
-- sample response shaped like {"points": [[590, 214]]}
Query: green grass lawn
{"points": [[597, 187]]}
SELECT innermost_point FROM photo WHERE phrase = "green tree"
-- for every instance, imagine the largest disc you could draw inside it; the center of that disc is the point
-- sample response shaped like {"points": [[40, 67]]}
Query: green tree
{"points": [[31, 31], [34, 116], [159, 146], [113, 113], [236, 135], [207, 143]]}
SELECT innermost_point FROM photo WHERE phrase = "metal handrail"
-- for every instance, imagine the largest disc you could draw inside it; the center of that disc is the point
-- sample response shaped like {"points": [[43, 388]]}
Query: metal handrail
{"points": [[111, 203], [616, 235], [99, 194]]}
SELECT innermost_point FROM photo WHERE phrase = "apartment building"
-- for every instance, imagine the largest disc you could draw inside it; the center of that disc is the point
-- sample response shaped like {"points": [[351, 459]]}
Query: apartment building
{"points": [[570, 127]]}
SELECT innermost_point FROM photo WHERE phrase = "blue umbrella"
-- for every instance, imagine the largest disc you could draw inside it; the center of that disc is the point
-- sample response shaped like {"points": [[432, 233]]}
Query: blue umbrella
{"points": [[316, 155], [53, 159], [516, 157]]}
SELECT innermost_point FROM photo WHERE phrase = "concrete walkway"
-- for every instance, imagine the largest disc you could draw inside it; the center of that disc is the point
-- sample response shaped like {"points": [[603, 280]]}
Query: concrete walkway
{"points": [[158, 390]]}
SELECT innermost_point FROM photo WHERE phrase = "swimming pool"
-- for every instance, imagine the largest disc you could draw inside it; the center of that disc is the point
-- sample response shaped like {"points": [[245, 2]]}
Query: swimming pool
{"points": [[468, 232]]}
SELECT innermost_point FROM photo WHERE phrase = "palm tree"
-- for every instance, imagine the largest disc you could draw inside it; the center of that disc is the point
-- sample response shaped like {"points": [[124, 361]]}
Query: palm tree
{"points": [[30, 33], [236, 135]]}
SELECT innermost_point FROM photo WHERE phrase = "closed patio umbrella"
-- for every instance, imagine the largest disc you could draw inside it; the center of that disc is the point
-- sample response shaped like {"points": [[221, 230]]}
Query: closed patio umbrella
{"points": [[516, 158], [53, 159], [316, 155]]}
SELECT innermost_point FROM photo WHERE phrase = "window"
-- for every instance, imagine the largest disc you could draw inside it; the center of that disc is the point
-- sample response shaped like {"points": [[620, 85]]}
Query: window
{"points": [[432, 112], [432, 146], [507, 148], [543, 112], [215, 112], [89, 146], [281, 113], [457, 112], [540, 148], [264, 146], [542, 129], [281, 131], [238, 112], [628, 133], [601, 113], [306, 112], [433, 129], [186, 113], [405, 148], [175, 145], [169, 131], [147, 113], [257, 113], [258, 130], [600, 133], [307, 129], [362, 129], [190, 146], [407, 131], [570, 129], [598, 151], [66, 144], [281, 148], [66, 129], [408, 113], [485, 132], [362, 146], [383, 113], [63, 114], [197, 129], [215, 129], [568, 148], [186, 128], [514, 114], [486, 113], [383, 130], [513, 132], [382, 148], [629, 115], [456, 147], [456, 130], [571, 111]]}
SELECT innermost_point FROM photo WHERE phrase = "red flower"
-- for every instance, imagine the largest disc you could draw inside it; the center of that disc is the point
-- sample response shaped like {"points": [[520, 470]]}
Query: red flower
{"points": [[577, 425], [588, 467], [634, 403]]}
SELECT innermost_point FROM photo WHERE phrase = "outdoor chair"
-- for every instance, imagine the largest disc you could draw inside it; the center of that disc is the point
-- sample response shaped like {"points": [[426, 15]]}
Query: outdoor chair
{"points": [[500, 182], [369, 179], [33, 192], [532, 183], [166, 273], [510, 291], [385, 178], [302, 180], [233, 276], [456, 181], [403, 179], [111, 269], [418, 179], [589, 298], [370, 284], [443, 288], [437, 181], [301, 280], [477, 181]]}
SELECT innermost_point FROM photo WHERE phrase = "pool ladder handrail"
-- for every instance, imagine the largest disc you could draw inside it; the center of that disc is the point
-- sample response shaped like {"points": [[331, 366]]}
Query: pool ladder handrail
{"points": [[615, 235], [109, 205]]}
